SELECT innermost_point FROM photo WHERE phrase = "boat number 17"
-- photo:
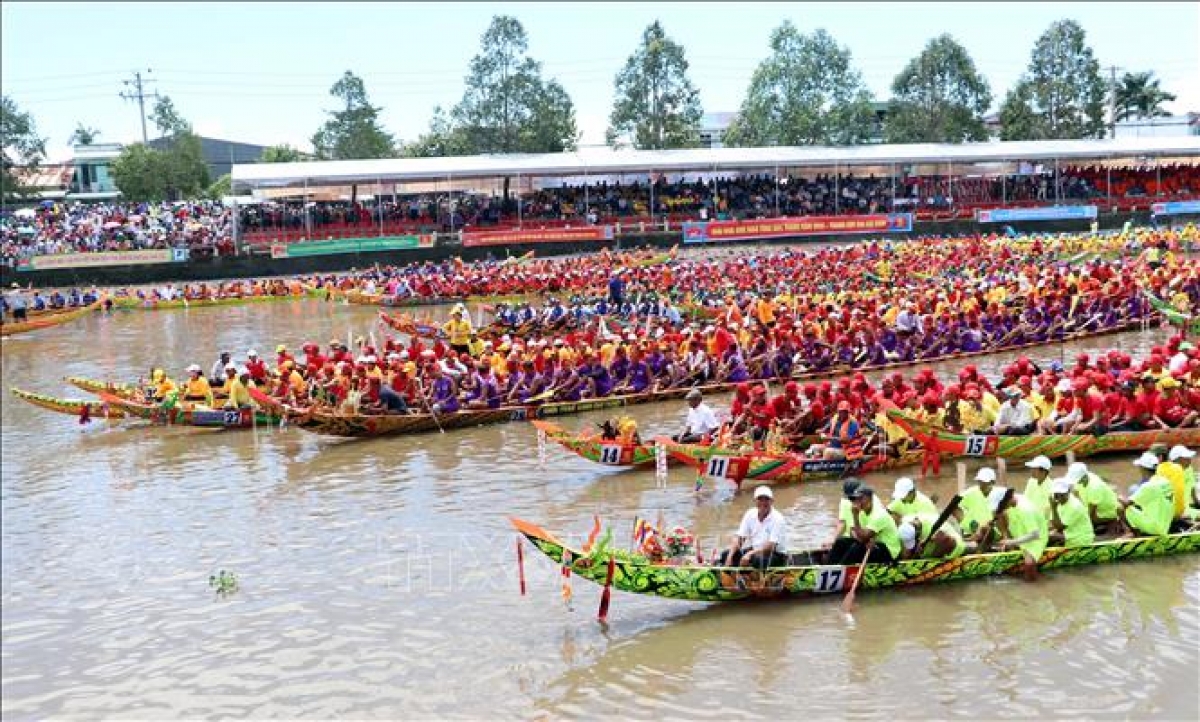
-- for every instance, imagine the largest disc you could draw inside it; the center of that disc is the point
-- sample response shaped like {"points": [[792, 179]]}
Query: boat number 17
{"points": [[829, 579]]}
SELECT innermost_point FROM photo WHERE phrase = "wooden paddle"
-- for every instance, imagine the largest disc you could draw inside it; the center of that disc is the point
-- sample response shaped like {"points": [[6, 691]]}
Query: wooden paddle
{"points": [[848, 601]]}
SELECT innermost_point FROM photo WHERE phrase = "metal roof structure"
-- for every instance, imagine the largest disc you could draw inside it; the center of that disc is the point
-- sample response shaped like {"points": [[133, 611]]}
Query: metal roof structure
{"points": [[606, 161]]}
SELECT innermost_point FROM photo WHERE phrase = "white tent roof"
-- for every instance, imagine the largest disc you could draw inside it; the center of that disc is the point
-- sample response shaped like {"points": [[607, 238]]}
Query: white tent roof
{"points": [[605, 161]]}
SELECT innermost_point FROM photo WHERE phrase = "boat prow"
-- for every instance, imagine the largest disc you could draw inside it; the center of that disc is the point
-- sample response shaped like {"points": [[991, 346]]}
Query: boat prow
{"points": [[72, 407]]}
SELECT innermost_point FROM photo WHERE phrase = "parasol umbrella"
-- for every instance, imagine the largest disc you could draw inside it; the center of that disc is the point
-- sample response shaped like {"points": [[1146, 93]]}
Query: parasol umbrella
{"points": [[47, 204], [24, 213], [111, 224]]}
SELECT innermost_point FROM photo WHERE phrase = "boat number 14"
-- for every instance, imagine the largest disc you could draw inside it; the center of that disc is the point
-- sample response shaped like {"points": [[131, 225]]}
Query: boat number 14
{"points": [[610, 454], [830, 579]]}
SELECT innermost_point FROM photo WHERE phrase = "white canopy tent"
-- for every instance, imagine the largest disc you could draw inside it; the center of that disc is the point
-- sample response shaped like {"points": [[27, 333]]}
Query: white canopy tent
{"points": [[605, 161]]}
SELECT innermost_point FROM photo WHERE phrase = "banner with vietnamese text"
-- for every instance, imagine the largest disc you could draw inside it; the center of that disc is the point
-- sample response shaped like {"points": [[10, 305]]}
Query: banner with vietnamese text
{"points": [[96, 260], [715, 231], [545, 235], [1051, 213], [301, 249], [1175, 208]]}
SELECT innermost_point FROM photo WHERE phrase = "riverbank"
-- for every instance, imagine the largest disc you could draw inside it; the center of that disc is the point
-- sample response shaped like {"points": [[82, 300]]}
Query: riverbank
{"points": [[259, 266]]}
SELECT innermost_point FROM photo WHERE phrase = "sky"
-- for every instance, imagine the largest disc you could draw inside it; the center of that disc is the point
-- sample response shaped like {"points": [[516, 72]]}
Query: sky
{"points": [[261, 72]]}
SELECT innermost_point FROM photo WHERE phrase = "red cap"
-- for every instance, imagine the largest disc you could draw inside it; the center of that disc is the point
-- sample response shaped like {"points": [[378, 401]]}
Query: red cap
{"points": [[843, 406]]}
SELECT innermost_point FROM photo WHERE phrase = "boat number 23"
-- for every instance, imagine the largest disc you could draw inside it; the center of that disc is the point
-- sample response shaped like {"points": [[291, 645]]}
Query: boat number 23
{"points": [[830, 579]]}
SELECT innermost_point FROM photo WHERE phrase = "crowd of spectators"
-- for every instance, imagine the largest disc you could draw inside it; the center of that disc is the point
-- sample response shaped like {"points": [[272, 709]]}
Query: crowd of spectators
{"points": [[207, 227], [204, 227]]}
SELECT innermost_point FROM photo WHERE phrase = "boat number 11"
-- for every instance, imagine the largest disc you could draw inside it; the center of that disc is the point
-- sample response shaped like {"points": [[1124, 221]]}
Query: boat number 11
{"points": [[830, 579]]}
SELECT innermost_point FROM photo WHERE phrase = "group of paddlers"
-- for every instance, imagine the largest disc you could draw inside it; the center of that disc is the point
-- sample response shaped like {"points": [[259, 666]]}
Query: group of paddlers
{"points": [[1071, 510]]}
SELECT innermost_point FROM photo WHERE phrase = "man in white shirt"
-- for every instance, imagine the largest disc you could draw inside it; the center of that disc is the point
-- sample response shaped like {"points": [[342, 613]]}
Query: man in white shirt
{"points": [[762, 537], [1015, 417], [701, 421], [1178, 364]]}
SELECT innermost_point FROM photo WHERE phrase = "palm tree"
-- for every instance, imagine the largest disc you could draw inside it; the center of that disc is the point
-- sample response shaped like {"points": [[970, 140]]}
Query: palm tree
{"points": [[83, 135], [1139, 96]]}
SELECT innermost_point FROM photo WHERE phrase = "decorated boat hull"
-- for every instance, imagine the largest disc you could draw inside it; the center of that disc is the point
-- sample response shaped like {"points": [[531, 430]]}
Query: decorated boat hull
{"points": [[695, 582], [47, 320], [1027, 447], [595, 449], [192, 415], [761, 467], [73, 407], [133, 303]]}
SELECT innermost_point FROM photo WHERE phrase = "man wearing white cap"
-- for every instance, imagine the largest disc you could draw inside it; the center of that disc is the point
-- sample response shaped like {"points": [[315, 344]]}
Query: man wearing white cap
{"points": [[1070, 525], [1171, 470], [1037, 489], [1151, 508], [1020, 526], [947, 543], [1102, 504], [973, 510], [906, 500], [196, 388], [761, 539], [1185, 456]]}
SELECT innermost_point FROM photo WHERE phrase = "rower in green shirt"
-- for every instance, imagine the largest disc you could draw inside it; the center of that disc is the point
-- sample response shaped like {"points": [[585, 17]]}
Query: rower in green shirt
{"points": [[1152, 507], [1070, 525], [947, 543], [873, 538], [1037, 489], [906, 500], [973, 511], [845, 513], [1021, 526], [1100, 500]]}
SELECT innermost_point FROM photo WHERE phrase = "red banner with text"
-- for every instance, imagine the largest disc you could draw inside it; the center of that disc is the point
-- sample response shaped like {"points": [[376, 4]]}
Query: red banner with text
{"points": [[545, 235]]}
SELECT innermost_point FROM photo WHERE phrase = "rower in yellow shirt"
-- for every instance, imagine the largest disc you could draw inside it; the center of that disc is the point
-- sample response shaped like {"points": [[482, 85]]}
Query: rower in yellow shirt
{"points": [[458, 329], [163, 385], [238, 390], [196, 388]]}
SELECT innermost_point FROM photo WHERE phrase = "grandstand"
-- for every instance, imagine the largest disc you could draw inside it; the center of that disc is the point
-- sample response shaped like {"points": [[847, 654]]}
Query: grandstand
{"points": [[345, 199]]}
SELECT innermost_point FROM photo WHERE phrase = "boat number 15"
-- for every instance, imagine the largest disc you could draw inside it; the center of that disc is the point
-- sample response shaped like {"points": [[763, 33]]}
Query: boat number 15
{"points": [[829, 579], [976, 445]]}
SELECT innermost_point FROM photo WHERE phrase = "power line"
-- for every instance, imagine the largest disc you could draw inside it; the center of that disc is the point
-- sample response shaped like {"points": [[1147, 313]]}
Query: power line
{"points": [[139, 93]]}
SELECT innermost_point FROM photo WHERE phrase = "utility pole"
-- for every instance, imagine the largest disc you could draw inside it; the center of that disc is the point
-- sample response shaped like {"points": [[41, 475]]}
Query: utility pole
{"points": [[1112, 101], [139, 94]]}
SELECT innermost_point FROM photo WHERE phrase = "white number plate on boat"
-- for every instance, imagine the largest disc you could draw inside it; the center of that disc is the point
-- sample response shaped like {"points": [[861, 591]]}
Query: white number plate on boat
{"points": [[610, 454], [829, 579]]}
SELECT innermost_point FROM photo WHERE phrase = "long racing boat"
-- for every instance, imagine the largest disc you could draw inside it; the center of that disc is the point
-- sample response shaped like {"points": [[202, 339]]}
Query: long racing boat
{"points": [[807, 576]]}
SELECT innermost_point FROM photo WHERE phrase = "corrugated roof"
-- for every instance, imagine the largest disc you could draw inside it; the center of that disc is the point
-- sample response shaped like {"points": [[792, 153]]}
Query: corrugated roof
{"points": [[598, 161]]}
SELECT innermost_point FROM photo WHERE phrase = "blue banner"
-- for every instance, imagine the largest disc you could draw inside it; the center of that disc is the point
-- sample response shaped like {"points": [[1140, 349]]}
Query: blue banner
{"points": [[1175, 208], [1053, 213]]}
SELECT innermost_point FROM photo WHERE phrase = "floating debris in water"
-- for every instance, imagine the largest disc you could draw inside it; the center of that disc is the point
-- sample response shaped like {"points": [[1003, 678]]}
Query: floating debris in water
{"points": [[223, 582]]}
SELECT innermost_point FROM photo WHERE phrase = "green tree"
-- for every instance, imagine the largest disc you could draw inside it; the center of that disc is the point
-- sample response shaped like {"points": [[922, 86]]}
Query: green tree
{"points": [[442, 139], [83, 135], [354, 131], [168, 119], [1139, 96], [176, 172], [220, 188], [807, 92], [939, 97], [1018, 121], [22, 147], [1062, 89], [507, 106], [656, 104], [282, 154]]}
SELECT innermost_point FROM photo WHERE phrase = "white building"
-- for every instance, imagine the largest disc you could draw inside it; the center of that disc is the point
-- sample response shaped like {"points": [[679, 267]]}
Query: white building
{"points": [[1172, 126]]}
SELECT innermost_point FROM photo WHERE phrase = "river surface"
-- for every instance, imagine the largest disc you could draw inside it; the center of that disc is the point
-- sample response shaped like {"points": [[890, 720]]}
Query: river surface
{"points": [[378, 578]]}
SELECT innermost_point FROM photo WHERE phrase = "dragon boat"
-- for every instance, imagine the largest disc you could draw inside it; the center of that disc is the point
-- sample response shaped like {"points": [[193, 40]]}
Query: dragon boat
{"points": [[780, 467], [48, 320], [186, 415], [1173, 315], [806, 575], [132, 303], [610, 452], [1026, 447], [73, 407]]}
